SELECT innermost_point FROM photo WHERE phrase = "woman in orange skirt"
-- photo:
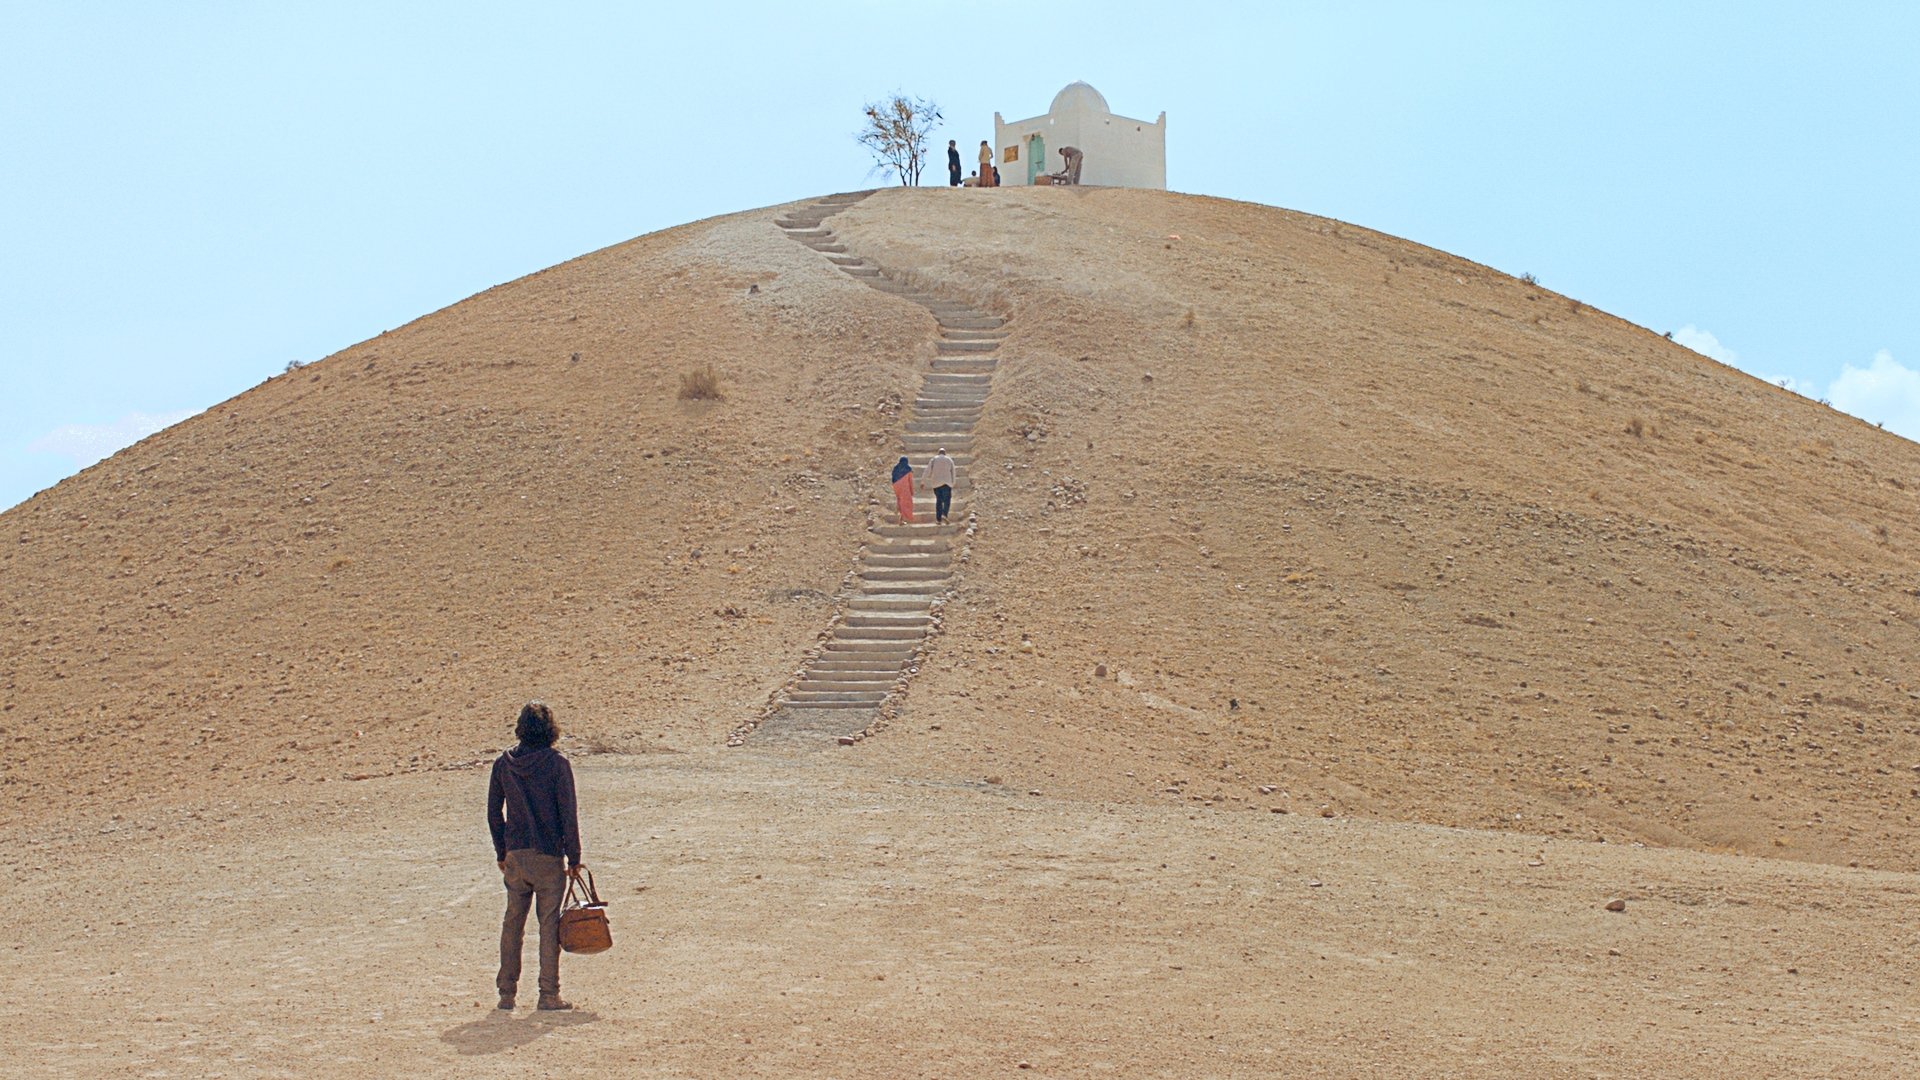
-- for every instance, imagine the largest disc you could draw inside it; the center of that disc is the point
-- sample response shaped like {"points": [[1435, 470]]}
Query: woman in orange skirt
{"points": [[903, 490], [986, 165]]}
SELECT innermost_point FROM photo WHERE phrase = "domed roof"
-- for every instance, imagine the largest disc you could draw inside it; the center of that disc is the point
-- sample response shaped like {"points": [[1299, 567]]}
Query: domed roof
{"points": [[1079, 95]]}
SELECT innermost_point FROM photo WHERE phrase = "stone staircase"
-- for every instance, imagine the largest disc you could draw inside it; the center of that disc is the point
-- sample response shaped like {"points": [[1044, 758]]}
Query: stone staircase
{"points": [[904, 573]]}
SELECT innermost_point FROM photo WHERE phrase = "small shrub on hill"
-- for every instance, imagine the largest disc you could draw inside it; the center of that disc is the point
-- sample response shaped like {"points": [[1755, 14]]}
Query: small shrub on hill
{"points": [[701, 384]]}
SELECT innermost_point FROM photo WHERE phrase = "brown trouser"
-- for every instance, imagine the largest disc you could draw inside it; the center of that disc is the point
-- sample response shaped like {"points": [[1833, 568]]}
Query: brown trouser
{"points": [[528, 875]]}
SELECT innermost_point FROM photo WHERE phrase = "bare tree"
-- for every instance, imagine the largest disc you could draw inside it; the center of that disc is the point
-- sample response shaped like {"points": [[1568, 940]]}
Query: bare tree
{"points": [[896, 133]]}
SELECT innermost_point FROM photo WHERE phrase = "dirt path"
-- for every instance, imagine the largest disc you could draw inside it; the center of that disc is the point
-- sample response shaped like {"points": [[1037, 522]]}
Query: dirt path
{"points": [[811, 915]]}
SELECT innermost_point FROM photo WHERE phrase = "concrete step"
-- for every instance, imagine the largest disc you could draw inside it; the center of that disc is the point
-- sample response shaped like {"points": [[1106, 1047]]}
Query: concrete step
{"points": [[969, 322], [927, 560], [879, 627], [963, 365], [955, 443], [848, 260], [897, 548], [949, 348], [974, 335], [921, 531], [874, 678], [832, 249], [801, 710], [866, 272], [851, 699], [884, 674], [904, 573], [888, 602], [855, 683], [923, 610], [856, 661], [897, 620], [928, 589], [951, 402], [868, 660], [889, 650], [812, 232]]}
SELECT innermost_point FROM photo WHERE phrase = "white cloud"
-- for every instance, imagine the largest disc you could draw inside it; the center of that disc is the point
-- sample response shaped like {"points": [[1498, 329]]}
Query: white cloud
{"points": [[1706, 345], [1884, 392], [85, 444]]}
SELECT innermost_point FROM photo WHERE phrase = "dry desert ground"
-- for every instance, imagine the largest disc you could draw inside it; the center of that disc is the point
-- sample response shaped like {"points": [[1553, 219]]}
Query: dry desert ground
{"points": [[1333, 627]]}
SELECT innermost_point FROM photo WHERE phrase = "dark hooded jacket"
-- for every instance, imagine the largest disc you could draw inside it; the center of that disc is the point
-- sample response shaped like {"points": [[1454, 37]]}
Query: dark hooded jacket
{"points": [[534, 786]]}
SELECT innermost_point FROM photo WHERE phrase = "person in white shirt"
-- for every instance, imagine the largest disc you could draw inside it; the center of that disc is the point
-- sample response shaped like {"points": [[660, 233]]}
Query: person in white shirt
{"points": [[939, 476]]}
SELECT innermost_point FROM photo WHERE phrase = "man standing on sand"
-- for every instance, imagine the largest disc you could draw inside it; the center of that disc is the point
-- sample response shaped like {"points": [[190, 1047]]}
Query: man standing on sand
{"points": [[940, 478], [953, 163], [536, 843]]}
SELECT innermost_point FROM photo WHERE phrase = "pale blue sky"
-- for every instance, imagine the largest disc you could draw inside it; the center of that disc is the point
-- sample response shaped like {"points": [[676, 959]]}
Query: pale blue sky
{"points": [[194, 194]]}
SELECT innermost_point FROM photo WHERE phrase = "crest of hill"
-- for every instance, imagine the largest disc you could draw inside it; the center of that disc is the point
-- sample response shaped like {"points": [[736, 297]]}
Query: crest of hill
{"points": [[1343, 517]]}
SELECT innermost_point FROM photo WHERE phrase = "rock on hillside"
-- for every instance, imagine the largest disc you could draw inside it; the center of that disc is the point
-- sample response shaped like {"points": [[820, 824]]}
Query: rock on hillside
{"points": [[1383, 531]]}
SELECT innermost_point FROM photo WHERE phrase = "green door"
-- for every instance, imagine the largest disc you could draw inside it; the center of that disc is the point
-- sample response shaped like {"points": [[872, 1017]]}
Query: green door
{"points": [[1036, 156]]}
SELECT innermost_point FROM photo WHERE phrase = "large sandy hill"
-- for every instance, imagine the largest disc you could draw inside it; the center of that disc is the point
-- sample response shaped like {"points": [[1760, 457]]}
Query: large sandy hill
{"points": [[1392, 503], [1295, 515]]}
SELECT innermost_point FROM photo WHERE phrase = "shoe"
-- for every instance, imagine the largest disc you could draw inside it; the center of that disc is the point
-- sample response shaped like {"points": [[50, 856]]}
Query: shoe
{"points": [[506, 1002], [552, 1003]]}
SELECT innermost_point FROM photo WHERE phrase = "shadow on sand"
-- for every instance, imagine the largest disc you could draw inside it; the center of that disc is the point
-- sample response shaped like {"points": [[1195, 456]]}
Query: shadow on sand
{"points": [[503, 1031]]}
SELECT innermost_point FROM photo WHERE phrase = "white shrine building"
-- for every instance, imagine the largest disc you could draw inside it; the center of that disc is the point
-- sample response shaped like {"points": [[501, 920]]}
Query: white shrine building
{"points": [[1120, 152]]}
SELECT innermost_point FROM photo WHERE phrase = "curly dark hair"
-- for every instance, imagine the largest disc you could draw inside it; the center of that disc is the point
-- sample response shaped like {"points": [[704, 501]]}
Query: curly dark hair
{"points": [[536, 726]]}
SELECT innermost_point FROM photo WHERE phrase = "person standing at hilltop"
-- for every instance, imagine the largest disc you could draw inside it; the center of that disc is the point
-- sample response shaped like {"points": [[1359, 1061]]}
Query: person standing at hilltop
{"points": [[903, 490], [953, 163], [940, 478], [536, 843], [987, 178]]}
